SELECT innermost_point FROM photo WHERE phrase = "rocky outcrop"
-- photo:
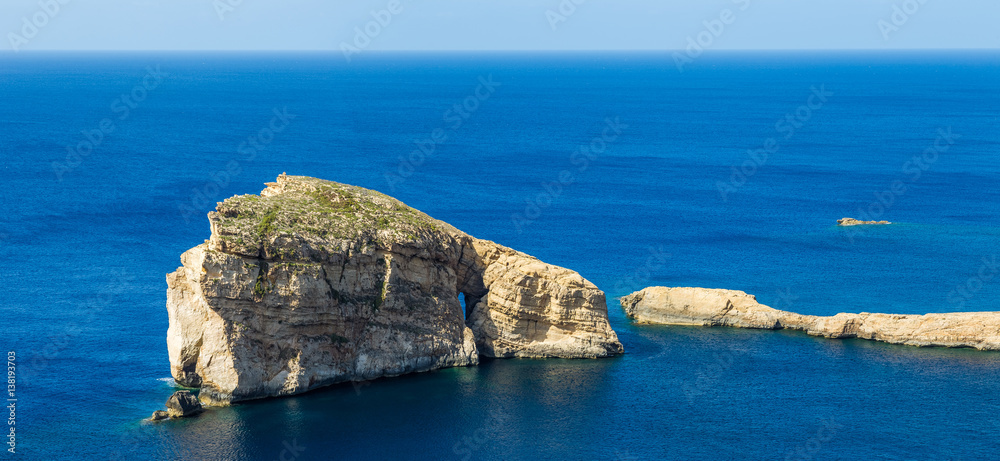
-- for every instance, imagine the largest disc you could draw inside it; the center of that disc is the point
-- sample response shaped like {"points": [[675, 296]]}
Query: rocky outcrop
{"points": [[856, 222], [714, 307], [182, 404], [706, 307], [314, 283], [532, 309]]}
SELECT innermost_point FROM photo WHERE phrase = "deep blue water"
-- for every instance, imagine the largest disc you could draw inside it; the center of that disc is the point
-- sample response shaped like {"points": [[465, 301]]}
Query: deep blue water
{"points": [[85, 244]]}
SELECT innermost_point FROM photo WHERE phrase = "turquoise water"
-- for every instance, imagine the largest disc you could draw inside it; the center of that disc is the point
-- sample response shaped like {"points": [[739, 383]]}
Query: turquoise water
{"points": [[86, 242]]}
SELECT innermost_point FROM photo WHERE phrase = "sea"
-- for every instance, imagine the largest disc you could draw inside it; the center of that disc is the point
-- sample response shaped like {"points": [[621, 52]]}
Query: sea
{"points": [[728, 171]]}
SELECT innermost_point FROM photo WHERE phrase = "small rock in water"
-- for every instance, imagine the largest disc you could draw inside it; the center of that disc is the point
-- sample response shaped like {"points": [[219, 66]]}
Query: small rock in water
{"points": [[159, 415], [183, 404], [857, 222]]}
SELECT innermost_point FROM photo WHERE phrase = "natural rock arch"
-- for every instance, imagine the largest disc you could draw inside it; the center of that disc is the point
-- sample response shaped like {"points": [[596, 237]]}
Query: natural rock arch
{"points": [[314, 282]]}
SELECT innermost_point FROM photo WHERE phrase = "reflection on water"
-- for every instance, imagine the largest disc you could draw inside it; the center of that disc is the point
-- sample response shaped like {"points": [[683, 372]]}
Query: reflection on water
{"points": [[680, 393]]}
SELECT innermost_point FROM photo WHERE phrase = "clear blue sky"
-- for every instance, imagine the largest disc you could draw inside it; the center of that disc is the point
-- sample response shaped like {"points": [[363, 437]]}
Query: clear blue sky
{"points": [[499, 24]]}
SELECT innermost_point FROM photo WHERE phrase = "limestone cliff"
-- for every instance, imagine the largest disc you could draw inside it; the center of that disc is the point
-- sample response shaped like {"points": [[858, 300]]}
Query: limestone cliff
{"points": [[314, 282], [527, 308], [714, 307]]}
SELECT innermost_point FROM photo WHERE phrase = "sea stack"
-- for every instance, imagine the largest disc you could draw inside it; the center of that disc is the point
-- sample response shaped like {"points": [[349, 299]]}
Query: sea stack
{"points": [[715, 307], [313, 282]]}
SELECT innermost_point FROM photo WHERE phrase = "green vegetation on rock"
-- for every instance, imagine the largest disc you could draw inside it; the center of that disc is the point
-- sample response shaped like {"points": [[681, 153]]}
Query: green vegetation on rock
{"points": [[322, 214], [266, 225]]}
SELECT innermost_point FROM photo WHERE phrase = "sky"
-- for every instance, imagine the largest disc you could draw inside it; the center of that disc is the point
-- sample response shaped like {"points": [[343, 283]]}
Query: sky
{"points": [[339, 25]]}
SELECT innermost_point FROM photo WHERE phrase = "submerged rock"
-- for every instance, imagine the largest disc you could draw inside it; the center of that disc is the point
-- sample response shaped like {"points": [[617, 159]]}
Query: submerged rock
{"points": [[856, 222], [715, 307], [182, 404], [314, 283]]}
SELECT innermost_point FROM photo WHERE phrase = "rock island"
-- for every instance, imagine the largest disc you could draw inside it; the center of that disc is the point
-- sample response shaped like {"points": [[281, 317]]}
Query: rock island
{"points": [[313, 283]]}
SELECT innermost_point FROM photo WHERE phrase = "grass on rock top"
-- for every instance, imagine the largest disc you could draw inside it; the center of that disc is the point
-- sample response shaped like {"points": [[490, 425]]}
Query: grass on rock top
{"points": [[314, 209]]}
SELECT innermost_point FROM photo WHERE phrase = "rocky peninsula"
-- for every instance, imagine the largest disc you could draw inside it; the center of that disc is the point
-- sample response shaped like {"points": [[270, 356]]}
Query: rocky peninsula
{"points": [[715, 307], [313, 283]]}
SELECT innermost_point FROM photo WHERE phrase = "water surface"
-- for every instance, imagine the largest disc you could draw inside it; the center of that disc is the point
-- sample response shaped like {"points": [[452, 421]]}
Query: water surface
{"points": [[86, 244]]}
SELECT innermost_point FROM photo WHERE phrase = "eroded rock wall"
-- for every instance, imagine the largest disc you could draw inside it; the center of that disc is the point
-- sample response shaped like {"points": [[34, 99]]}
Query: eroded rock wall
{"points": [[534, 309]]}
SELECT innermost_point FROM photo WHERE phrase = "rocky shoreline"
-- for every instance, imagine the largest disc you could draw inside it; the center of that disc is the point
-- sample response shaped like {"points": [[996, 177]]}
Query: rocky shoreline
{"points": [[313, 283], [716, 307]]}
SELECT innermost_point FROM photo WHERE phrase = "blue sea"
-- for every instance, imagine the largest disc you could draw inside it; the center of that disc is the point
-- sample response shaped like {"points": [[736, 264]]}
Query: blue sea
{"points": [[730, 173]]}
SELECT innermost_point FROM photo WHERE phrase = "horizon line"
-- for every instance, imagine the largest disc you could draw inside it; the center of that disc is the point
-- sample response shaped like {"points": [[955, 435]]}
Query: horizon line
{"points": [[610, 50]]}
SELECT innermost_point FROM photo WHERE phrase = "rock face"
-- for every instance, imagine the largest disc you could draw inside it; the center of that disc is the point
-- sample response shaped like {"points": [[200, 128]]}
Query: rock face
{"points": [[314, 283], [181, 405], [714, 307], [855, 222], [527, 308]]}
